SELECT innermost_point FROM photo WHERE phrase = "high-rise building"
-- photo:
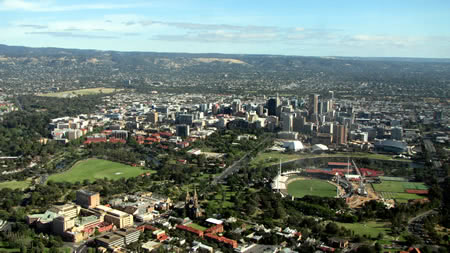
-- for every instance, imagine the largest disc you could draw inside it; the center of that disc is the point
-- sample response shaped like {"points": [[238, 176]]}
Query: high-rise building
{"points": [[272, 106], [298, 123], [88, 199], [186, 119], [397, 133], [215, 109], [286, 121], [260, 110], [314, 104], [340, 133], [183, 130], [153, 117], [236, 106]]}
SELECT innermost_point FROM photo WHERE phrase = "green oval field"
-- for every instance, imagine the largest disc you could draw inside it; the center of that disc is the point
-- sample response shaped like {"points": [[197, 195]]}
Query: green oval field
{"points": [[92, 169], [314, 187]]}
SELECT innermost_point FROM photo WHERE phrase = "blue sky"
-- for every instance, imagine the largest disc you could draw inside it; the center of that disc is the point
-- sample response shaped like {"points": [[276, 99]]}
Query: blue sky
{"points": [[394, 28]]}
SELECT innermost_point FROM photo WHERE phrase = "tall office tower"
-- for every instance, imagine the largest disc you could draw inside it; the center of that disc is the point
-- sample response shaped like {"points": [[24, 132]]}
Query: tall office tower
{"points": [[314, 104], [153, 117], [397, 133], [236, 105], [298, 123], [286, 121], [331, 93], [272, 105], [215, 109], [294, 103], [183, 130], [260, 110], [340, 134], [272, 123], [330, 105], [186, 119]]}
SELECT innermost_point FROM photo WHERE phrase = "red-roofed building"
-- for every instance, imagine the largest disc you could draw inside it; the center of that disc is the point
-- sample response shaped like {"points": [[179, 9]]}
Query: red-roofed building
{"points": [[222, 239], [215, 229], [95, 139], [146, 227], [191, 230], [165, 134], [115, 140], [371, 173]]}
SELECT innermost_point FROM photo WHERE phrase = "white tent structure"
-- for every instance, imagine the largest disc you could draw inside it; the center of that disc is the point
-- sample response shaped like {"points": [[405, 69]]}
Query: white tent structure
{"points": [[293, 145], [318, 148]]}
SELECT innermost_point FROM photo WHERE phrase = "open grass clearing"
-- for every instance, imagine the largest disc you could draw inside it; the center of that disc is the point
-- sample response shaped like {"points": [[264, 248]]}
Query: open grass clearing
{"points": [[81, 92], [196, 226], [92, 169], [15, 184], [370, 228], [314, 187]]}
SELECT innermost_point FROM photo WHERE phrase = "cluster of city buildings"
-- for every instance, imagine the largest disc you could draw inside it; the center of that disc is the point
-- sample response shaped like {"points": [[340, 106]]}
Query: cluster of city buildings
{"points": [[318, 121], [77, 222]]}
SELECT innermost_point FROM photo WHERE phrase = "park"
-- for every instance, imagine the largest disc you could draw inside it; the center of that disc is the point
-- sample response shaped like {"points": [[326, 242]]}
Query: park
{"points": [[92, 169]]}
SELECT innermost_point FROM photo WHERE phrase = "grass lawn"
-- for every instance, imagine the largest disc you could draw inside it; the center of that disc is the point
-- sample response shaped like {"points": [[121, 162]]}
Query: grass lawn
{"points": [[92, 169], [3, 248], [314, 187], [396, 190], [196, 226], [15, 184], [82, 92], [371, 228], [273, 157]]}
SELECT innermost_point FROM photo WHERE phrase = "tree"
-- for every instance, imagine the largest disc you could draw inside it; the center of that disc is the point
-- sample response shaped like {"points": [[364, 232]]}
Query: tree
{"points": [[365, 249], [380, 236], [378, 247], [332, 228], [412, 239]]}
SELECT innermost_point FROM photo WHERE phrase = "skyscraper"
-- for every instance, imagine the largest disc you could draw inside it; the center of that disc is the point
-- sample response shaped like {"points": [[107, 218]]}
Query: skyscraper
{"points": [[272, 105], [314, 104]]}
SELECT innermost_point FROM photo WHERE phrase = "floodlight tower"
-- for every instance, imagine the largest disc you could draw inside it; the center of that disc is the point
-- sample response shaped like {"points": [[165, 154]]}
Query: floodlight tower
{"points": [[337, 187]]}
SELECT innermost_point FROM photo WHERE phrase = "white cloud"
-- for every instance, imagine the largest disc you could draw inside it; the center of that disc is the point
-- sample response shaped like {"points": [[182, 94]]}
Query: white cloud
{"points": [[299, 29]]}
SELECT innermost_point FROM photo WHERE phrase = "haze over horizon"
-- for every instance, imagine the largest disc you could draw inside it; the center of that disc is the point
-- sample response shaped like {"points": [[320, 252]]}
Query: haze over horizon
{"points": [[348, 28]]}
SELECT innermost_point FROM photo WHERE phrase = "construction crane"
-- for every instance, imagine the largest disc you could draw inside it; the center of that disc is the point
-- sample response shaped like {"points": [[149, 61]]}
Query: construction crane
{"points": [[361, 190]]}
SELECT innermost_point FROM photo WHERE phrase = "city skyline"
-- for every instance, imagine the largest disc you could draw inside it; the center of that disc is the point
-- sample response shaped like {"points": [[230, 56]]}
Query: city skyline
{"points": [[347, 28]]}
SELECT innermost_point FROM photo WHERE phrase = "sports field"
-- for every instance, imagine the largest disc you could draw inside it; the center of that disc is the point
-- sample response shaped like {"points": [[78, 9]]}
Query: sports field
{"points": [[314, 187], [395, 186], [92, 169], [81, 92], [196, 226], [396, 190], [15, 184]]}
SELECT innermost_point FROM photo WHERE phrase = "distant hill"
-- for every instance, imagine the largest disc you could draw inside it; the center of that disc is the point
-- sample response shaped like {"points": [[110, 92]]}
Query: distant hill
{"points": [[73, 68]]}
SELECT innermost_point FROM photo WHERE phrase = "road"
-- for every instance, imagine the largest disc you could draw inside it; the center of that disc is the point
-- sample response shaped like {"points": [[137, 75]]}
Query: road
{"points": [[238, 164], [415, 225]]}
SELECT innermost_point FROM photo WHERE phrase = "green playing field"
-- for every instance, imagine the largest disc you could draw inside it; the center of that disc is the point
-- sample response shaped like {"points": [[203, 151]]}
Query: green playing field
{"points": [[315, 187]]}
